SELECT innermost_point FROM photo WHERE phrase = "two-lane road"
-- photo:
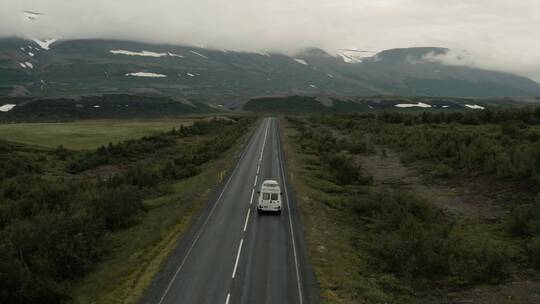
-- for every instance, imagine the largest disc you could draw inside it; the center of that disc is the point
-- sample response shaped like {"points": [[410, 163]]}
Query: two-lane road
{"points": [[233, 255]]}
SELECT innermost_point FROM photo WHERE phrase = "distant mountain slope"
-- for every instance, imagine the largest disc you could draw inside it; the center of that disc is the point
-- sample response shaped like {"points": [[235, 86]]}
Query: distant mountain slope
{"points": [[46, 68], [97, 107], [407, 70]]}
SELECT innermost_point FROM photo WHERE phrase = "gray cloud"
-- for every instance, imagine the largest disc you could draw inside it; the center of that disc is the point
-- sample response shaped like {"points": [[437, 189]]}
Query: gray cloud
{"points": [[497, 34]]}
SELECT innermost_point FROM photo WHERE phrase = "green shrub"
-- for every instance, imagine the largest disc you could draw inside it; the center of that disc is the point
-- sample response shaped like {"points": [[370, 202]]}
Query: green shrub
{"points": [[416, 241], [532, 249], [442, 171], [61, 152], [414, 250], [480, 259], [524, 220], [346, 170], [118, 206]]}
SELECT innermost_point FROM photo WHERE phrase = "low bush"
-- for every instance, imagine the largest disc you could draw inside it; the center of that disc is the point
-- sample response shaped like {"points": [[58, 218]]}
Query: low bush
{"points": [[524, 223], [416, 241]]}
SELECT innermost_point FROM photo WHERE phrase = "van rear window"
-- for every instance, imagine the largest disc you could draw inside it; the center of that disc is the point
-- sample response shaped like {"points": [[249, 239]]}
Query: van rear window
{"points": [[266, 196], [274, 196]]}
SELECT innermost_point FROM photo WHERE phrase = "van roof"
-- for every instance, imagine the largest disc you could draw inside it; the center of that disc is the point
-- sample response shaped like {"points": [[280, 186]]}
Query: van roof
{"points": [[270, 183]]}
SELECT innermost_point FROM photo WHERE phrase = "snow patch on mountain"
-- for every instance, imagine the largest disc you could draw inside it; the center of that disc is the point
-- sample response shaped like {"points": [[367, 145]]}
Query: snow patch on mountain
{"points": [[174, 55], [475, 107], [199, 54], [145, 53], [346, 58], [45, 44], [145, 74], [26, 65], [413, 105], [7, 107], [263, 54], [301, 61], [141, 53], [354, 55]]}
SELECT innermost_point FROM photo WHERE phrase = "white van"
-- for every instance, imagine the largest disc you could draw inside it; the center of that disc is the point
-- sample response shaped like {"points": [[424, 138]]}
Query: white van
{"points": [[269, 197]]}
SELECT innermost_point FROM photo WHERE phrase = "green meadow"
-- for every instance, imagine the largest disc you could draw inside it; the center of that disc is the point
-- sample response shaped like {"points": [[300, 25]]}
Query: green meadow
{"points": [[87, 134]]}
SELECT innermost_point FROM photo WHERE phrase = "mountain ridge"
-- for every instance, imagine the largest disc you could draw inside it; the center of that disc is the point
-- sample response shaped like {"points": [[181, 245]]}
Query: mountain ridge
{"points": [[92, 66]]}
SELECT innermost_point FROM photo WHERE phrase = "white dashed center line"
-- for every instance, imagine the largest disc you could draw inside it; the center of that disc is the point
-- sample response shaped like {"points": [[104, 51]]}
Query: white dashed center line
{"points": [[237, 258], [249, 209]]}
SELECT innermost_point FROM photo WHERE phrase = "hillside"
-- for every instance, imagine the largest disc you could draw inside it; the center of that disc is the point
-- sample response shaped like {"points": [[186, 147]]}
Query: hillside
{"points": [[58, 68], [18, 109]]}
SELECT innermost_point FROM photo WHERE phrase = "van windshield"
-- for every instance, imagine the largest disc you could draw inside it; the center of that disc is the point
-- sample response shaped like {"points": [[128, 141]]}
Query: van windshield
{"points": [[266, 196], [274, 196]]}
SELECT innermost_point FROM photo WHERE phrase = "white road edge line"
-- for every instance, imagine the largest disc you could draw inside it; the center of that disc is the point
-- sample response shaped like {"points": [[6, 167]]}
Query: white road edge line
{"points": [[205, 222], [290, 223], [247, 219], [228, 298], [264, 141], [237, 258], [255, 183], [252, 193]]}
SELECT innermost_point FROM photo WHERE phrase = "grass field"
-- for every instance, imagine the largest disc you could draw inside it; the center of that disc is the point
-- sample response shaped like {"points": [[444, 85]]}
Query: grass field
{"points": [[86, 134]]}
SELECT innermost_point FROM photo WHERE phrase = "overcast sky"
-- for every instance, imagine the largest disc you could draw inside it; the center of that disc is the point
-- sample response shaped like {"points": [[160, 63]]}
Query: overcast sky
{"points": [[497, 34]]}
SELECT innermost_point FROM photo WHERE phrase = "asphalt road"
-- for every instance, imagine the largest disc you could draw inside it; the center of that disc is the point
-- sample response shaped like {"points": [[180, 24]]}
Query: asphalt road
{"points": [[233, 255]]}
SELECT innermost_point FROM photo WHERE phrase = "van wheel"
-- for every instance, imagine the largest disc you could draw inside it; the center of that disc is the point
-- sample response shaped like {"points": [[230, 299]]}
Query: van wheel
{"points": [[259, 212]]}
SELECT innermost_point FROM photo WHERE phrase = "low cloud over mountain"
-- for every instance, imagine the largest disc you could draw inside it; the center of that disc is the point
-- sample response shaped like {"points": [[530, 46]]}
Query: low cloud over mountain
{"points": [[497, 34]]}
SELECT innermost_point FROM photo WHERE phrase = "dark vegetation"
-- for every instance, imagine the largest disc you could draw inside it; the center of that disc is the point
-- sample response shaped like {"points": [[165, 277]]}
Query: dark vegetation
{"points": [[97, 107], [445, 106], [505, 143], [301, 105], [54, 215], [412, 247]]}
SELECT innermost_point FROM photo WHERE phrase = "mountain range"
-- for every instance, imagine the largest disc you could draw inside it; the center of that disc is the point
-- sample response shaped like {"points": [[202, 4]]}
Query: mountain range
{"points": [[46, 68]]}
